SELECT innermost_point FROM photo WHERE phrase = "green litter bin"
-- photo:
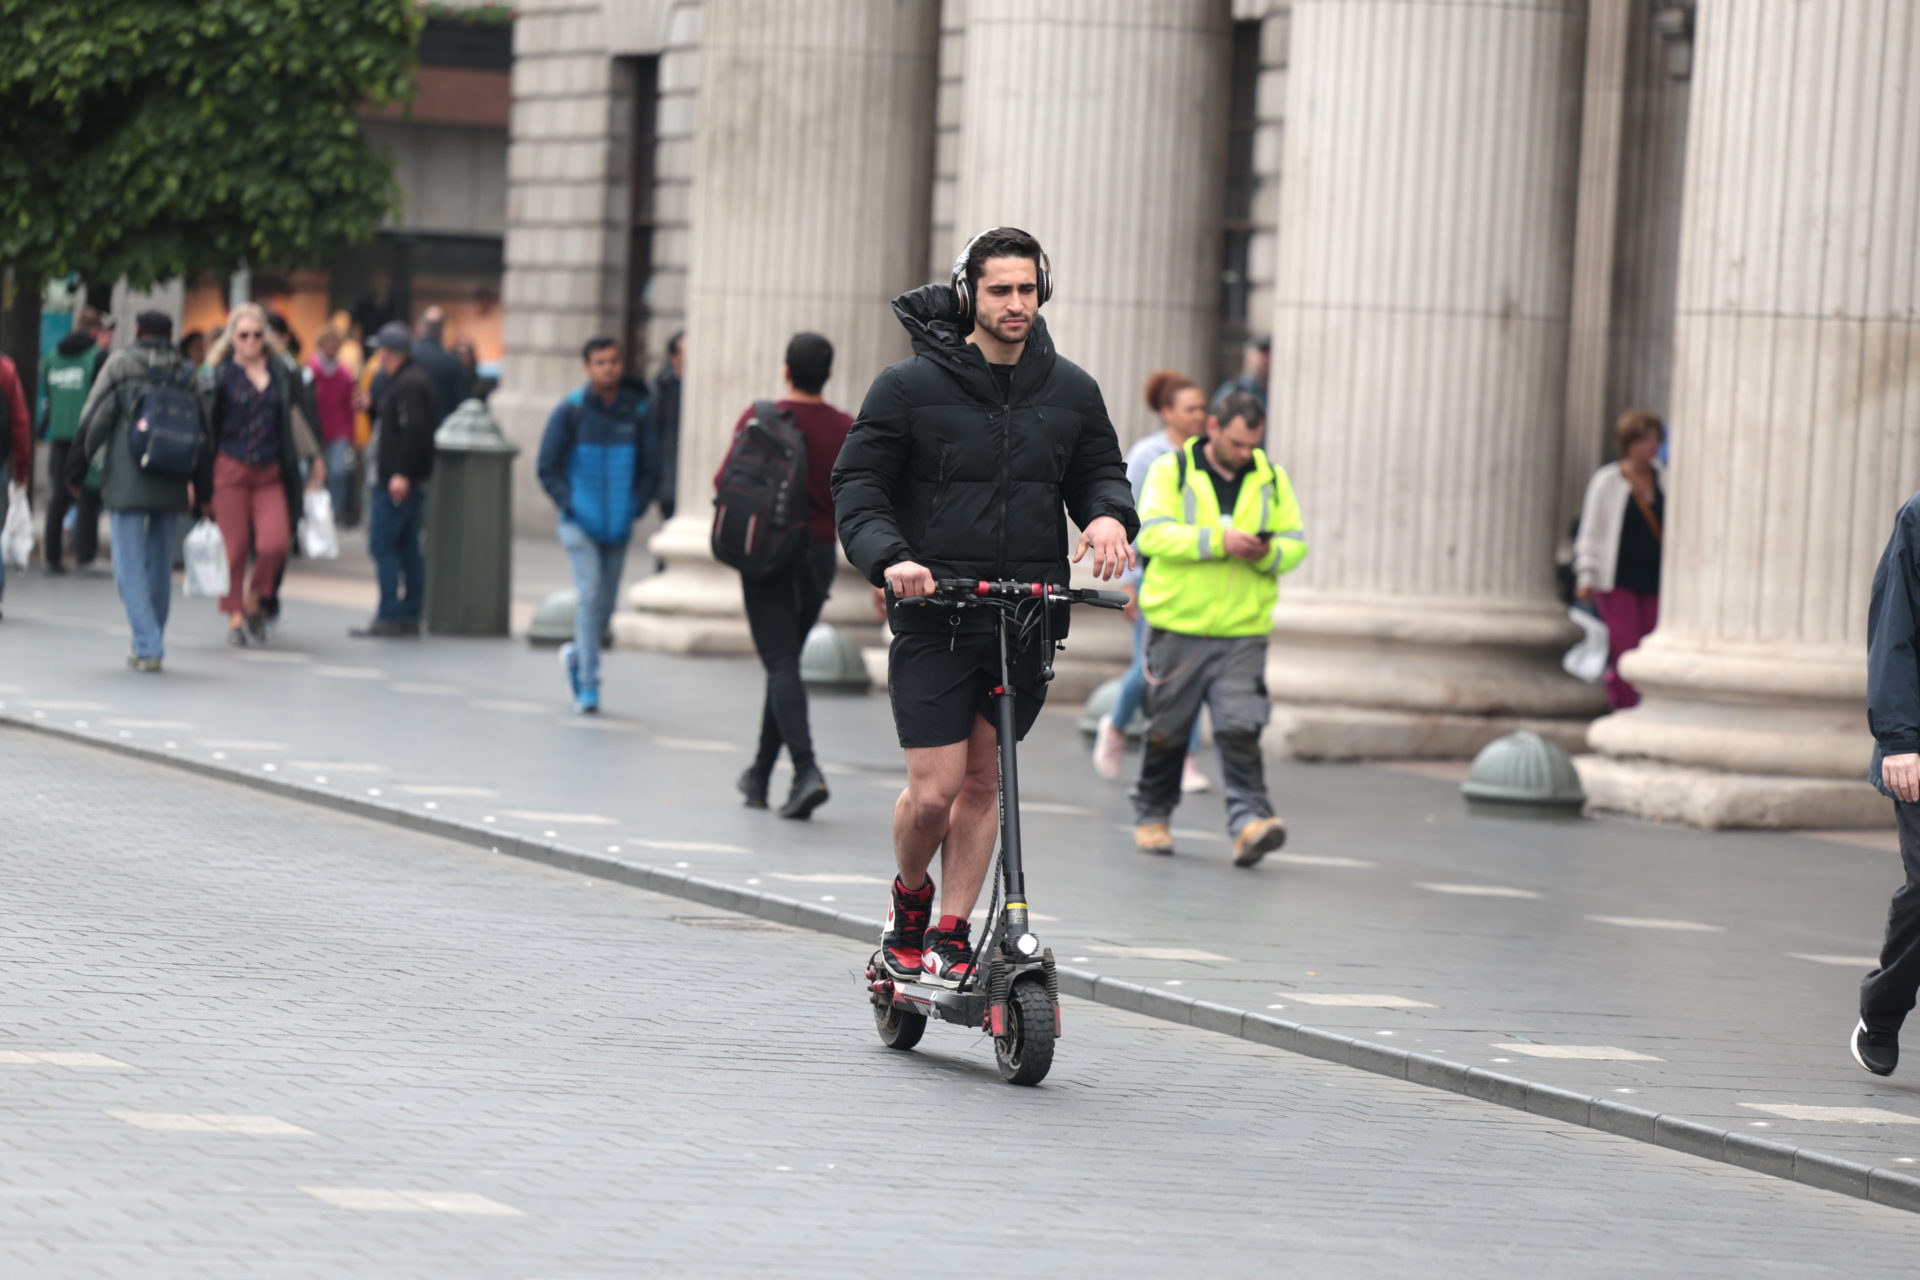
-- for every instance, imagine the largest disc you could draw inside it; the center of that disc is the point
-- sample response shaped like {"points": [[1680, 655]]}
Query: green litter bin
{"points": [[469, 549]]}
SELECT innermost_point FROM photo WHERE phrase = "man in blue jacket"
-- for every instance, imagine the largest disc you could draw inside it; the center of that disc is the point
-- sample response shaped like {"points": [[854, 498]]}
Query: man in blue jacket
{"points": [[600, 463], [1893, 714]]}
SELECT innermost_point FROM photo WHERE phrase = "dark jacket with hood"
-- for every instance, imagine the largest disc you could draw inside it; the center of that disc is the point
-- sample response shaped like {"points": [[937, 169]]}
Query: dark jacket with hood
{"points": [[404, 420], [942, 470], [1893, 644]]}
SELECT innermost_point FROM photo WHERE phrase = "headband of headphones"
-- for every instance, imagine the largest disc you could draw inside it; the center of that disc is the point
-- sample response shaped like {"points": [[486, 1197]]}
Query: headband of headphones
{"points": [[963, 289]]}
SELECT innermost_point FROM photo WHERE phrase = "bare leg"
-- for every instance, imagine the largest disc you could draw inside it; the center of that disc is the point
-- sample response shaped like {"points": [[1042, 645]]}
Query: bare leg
{"points": [[972, 827], [922, 814], [951, 799]]}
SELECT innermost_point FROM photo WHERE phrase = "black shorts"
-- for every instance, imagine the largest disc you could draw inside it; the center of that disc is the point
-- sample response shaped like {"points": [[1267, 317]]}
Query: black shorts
{"points": [[938, 685]]}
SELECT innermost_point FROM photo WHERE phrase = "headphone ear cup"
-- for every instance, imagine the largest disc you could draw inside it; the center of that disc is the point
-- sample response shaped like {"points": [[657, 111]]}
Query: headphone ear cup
{"points": [[963, 298]]}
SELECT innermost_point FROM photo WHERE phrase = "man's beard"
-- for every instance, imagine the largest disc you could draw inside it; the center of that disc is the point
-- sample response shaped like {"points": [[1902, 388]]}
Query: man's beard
{"points": [[1000, 335]]}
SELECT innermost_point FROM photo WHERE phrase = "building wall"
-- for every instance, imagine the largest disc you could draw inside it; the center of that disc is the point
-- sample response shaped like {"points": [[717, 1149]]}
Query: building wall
{"points": [[453, 178]]}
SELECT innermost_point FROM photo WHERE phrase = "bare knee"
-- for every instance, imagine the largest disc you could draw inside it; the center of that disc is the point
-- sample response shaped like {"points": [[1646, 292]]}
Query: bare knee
{"points": [[979, 791], [927, 802]]}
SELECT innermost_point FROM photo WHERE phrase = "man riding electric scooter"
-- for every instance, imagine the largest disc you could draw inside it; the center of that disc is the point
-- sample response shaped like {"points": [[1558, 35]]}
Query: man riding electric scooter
{"points": [[959, 467]]}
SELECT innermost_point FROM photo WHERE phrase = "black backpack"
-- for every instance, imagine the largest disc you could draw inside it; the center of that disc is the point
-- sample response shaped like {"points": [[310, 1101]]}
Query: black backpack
{"points": [[165, 438], [760, 511]]}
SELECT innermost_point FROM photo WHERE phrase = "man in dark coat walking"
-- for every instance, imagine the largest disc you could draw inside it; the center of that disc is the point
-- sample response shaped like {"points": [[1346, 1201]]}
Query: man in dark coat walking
{"points": [[404, 420], [965, 462]]}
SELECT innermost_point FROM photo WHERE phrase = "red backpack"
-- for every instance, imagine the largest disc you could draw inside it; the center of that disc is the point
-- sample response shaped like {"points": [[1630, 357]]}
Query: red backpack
{"points": [[760, 511]]}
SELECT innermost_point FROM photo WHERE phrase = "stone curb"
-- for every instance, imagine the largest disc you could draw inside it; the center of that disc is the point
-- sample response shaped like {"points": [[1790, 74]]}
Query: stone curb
{"points": [[1780, 1160]]}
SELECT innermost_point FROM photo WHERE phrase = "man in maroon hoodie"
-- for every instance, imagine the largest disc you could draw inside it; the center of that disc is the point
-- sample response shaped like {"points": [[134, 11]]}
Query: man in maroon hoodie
{"points": [[16, 439]]}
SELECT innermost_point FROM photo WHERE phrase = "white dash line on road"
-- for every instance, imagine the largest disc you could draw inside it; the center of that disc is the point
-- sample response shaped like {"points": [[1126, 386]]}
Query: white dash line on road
{"points": [[177, 726], [350, 673], [1048, 806], [403, 1200], [283, 657], [427, 690], [49, 1058], [210, 1122], [561, 819], [687, 846], [1640, 922], [510, 705], [1842, 1115], [824, 877], [1845, 962], [337, 766], [697, 744], [1342, 1000], [1319, 860], [1577, 1052], [423, 790], [57, 704], [240, 744], [1476, 890], [1162, 953]]}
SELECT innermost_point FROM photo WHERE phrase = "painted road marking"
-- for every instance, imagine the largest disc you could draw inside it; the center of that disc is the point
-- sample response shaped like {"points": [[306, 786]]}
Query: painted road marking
{"points": [[283, 656], [825, 877], [1176, 833], [427, 690], [55, 704], [483, 792], [1637, 922], [1320, 860], [209, 1122], [561, 819], [350, 673], [78, 1061], [1048, 806], [1477, 890], [687, 846], [1344, 1001], [1843, 1115], [697, 744], [1578, 1052], [337, 766], [240, 744], [179, 726], [510, 705], [402, 1200], [1849, 962], [1162, 953]]}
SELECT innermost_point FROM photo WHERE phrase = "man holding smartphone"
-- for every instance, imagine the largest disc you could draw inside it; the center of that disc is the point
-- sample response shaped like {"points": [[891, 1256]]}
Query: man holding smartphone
{"points": [[1218, 526]]}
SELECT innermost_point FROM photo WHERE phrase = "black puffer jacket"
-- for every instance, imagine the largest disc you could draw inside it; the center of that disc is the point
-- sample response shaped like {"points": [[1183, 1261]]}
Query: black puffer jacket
{"points": [[940, 470]]}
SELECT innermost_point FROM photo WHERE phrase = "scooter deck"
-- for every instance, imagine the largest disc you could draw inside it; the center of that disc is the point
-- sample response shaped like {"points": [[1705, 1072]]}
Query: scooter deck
{"points": [[968, 1008]]}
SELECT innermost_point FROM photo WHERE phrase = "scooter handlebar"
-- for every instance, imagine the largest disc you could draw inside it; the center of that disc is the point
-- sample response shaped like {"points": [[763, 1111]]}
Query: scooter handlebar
{"points": [[979, 589]]}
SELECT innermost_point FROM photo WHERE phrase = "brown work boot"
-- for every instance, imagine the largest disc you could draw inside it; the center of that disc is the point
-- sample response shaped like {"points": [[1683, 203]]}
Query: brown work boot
{"points": [[1153, 837], [1258, 839]]}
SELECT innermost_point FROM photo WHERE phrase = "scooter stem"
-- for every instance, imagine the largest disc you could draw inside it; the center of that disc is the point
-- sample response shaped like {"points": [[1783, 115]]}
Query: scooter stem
{"points": [[1006, 731]]}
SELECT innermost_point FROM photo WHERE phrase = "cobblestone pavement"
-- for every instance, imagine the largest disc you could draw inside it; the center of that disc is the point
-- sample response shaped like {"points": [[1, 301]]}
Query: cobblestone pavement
{"points": [[1718, 970], [242, 1036]]}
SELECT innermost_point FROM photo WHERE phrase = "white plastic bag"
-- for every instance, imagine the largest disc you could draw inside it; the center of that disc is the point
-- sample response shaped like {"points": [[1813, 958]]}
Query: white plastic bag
{"points": [[17, 538], [318, 538], [1587, 660], [205, 552]]}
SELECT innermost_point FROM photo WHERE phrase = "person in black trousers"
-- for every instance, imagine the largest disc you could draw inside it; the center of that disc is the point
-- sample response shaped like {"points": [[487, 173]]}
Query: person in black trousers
{"points": [[781, 610], [1893, 714]]}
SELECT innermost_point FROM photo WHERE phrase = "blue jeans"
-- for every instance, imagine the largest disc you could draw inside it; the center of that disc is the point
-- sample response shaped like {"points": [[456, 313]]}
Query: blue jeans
{"points": [[1133, 689], [143, 570], [596, 583], [339, 475], [393, 540]]}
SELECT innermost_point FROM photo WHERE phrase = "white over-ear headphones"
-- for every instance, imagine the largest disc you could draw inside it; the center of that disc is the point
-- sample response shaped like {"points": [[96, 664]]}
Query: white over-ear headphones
{"points": [[963, 291]]}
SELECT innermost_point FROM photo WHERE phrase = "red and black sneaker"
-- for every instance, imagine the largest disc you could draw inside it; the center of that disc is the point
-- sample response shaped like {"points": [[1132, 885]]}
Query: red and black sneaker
{"points": [[948, 956], [907, 917]]}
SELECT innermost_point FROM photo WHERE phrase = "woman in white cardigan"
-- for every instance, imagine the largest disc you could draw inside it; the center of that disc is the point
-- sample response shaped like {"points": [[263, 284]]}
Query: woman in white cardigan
{"points": [[1616, 558]]}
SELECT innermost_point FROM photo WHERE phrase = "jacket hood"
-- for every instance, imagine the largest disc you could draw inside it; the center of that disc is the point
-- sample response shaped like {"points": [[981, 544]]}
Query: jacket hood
{"points": [[932, 321], [74, 344]]}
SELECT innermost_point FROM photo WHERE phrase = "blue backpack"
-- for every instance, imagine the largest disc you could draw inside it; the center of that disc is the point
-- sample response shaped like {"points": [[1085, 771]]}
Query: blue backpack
{"points": [[165, 438]]}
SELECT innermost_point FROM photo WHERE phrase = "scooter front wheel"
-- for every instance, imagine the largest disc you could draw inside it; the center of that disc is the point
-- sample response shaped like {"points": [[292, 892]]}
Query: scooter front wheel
{"points": [[1025, 1052], [899, 1028]]}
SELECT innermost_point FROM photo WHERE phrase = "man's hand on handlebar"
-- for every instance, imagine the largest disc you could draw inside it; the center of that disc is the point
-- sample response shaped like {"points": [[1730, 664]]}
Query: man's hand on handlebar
{"points": [[908, 580], [1112, 552]]}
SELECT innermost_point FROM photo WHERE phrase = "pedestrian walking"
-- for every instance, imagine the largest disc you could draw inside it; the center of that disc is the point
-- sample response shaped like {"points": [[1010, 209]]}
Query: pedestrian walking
{"points": [[16, 440], [600, 463], [1256, 361], [404, 419], [193, 351], [1893, 717], [65, 379], [782, 608], [332, 391], [666, 415], [141, 387], [1218, 526], [449, 380], [1182, 407], [966, 461], [1616, 554], [252, 394]]}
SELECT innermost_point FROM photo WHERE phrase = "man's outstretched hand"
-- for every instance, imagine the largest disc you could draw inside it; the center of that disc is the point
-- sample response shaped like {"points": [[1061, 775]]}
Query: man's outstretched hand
{"points": [[1112, 552]]}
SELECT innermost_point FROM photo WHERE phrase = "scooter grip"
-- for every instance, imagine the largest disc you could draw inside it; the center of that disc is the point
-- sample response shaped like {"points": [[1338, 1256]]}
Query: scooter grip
{"points": [[1111, 599]]}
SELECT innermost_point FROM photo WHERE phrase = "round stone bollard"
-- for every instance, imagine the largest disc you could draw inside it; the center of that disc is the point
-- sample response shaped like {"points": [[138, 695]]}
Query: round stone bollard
{"points": [[553, 620], [1523, 774], [831, 663], [1101, 701]]}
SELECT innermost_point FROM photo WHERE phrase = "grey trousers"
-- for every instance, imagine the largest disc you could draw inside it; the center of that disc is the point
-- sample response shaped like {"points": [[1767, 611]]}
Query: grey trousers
{"points": [[1227, 675]]}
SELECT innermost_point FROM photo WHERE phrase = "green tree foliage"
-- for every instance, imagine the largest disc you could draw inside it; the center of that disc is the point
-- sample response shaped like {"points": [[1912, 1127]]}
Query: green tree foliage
{"points": [[155, 138]]}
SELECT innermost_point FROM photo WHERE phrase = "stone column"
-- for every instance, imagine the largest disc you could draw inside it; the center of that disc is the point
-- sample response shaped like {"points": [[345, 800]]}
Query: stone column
{"points": [[1102, 130], [1796, 420], [812, 171], [1419, 373]]}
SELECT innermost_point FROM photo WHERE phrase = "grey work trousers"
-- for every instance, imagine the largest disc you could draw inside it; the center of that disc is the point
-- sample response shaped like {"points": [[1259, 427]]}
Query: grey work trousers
{"points": [[1226, 674]]}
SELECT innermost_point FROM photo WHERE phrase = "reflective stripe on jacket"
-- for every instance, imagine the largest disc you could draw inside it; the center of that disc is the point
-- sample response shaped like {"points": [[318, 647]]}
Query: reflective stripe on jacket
{"points": [[1192, 585]]}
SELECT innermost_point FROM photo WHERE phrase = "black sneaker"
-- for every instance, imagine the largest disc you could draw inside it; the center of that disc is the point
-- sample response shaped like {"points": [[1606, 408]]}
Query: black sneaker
{"points": [[903, 943], [1877, 1051], [809, 793], [753, 785], [948, 956]]}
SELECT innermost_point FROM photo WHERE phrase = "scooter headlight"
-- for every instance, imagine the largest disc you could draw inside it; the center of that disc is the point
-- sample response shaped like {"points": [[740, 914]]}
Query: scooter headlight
{"points": [[1027, 945]]}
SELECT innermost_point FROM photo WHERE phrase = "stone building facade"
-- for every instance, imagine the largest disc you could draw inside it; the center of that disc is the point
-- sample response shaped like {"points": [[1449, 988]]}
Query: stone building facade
{"points": [[1477, 233]]}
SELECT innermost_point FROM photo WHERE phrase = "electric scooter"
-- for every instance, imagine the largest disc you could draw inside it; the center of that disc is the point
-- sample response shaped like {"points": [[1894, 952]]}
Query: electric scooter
{"points": [[1011, 991]]}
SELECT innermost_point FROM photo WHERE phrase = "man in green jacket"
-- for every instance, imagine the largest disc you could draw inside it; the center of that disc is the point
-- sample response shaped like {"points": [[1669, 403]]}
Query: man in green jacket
{"points": [[144, 507], [1218, 526], [65, 379]]}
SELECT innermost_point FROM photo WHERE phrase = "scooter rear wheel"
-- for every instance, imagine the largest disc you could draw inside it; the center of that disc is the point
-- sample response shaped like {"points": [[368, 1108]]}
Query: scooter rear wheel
{"points": [[898, 1028], [1025, 1053]]}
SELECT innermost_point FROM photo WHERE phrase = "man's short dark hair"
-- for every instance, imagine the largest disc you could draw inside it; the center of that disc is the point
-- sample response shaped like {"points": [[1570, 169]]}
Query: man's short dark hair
{"points": [[1242, 405], [673, 343], [809, 362], [1001, 242], [600, 343], [153, 324]]}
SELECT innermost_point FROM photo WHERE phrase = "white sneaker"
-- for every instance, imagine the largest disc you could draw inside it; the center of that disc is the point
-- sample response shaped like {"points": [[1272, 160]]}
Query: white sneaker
{"points": [[1108, 746], [1192, 780]]}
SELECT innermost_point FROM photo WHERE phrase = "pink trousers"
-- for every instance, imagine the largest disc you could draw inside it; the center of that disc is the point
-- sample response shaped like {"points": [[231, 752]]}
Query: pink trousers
{"points": [[1630, 618], [250, 506]]}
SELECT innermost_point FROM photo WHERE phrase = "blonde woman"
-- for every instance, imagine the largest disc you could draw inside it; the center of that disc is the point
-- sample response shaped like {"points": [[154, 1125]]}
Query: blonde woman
{"points": [[255, 405]]}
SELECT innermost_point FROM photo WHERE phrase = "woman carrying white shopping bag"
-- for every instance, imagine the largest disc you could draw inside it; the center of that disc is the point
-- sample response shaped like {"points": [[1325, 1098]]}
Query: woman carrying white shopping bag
{"points": [[15, 444]]}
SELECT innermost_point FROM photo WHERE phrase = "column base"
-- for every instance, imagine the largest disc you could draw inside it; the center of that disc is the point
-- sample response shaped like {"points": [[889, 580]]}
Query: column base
{"points": [[1322, 732], [1708, 798]]}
